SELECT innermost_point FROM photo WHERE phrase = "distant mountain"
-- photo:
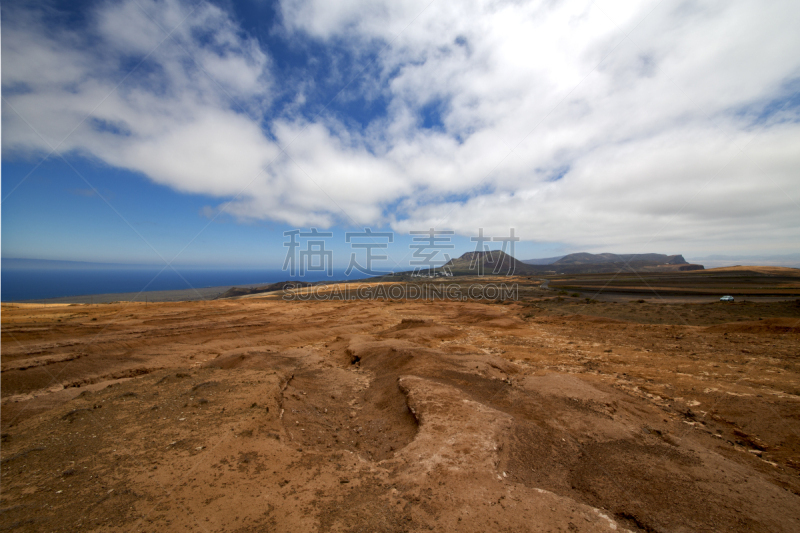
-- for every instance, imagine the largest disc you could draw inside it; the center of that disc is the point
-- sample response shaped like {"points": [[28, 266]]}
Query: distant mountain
{"points": [[585, 258], [783, 260], [474, 263], [543, 261]]}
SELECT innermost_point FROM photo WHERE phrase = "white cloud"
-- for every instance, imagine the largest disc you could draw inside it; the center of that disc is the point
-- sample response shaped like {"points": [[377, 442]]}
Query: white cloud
{"points": [[169, 119], [648, 109], [685, 188], [640, 103]]}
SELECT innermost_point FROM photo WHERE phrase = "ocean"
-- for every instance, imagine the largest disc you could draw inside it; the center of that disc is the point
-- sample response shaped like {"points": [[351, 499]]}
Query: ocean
{"points": [[20, 283]]}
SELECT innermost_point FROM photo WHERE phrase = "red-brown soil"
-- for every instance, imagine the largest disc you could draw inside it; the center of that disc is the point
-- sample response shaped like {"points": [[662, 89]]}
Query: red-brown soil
{"points": [[747, 282], [268, 415]]}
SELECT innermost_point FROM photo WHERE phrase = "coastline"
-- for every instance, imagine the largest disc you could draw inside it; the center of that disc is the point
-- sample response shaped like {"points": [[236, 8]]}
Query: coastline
{"points": [[178, 295]]}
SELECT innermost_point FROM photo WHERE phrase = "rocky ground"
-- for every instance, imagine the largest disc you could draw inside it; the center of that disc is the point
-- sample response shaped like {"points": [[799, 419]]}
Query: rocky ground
{"points": [[550, 414]]}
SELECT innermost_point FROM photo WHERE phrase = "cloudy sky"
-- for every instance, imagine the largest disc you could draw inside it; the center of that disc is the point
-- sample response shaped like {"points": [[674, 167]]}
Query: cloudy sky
{"points": [[197, 131]]}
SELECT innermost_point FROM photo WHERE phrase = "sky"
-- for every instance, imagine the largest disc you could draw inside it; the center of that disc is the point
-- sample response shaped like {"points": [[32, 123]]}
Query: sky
{"points": [[198, 132]]}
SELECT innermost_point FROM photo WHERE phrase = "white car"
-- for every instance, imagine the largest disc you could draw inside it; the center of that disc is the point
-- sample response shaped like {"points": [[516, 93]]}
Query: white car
{"points": [[726, 299]]}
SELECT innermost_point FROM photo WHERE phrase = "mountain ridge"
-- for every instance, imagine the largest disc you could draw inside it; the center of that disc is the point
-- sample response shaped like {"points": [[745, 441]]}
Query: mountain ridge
{"points": [[587, 258], [501, 263]]}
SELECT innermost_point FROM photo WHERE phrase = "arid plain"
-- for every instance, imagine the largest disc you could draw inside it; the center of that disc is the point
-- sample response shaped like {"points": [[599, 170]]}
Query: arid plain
{"points": [[551, 413]]}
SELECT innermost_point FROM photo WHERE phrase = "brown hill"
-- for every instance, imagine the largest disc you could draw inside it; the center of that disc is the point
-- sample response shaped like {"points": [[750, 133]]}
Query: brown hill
{"points": [[486, 263], [771, 270], [280, 286]]}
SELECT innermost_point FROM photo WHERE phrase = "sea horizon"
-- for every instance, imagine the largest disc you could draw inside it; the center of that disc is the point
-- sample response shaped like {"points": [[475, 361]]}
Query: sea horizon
{"points": [[26, 279]]}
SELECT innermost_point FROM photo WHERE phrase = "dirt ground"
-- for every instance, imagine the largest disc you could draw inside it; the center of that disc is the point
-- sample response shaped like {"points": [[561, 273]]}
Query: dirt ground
{"points": [[387, 416]]}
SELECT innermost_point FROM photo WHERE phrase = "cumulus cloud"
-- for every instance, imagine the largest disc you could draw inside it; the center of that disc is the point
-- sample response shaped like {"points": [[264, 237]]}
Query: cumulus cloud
{"points": [[604, 125], [596, 123], [167, 119]]}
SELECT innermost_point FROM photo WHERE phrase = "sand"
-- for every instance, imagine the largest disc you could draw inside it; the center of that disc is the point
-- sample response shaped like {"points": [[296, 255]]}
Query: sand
{"points": [[267, 415]]}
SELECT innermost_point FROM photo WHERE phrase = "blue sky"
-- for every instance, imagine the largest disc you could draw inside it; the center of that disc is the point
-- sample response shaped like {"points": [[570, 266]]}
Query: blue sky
{"points": [[147, 131]]}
